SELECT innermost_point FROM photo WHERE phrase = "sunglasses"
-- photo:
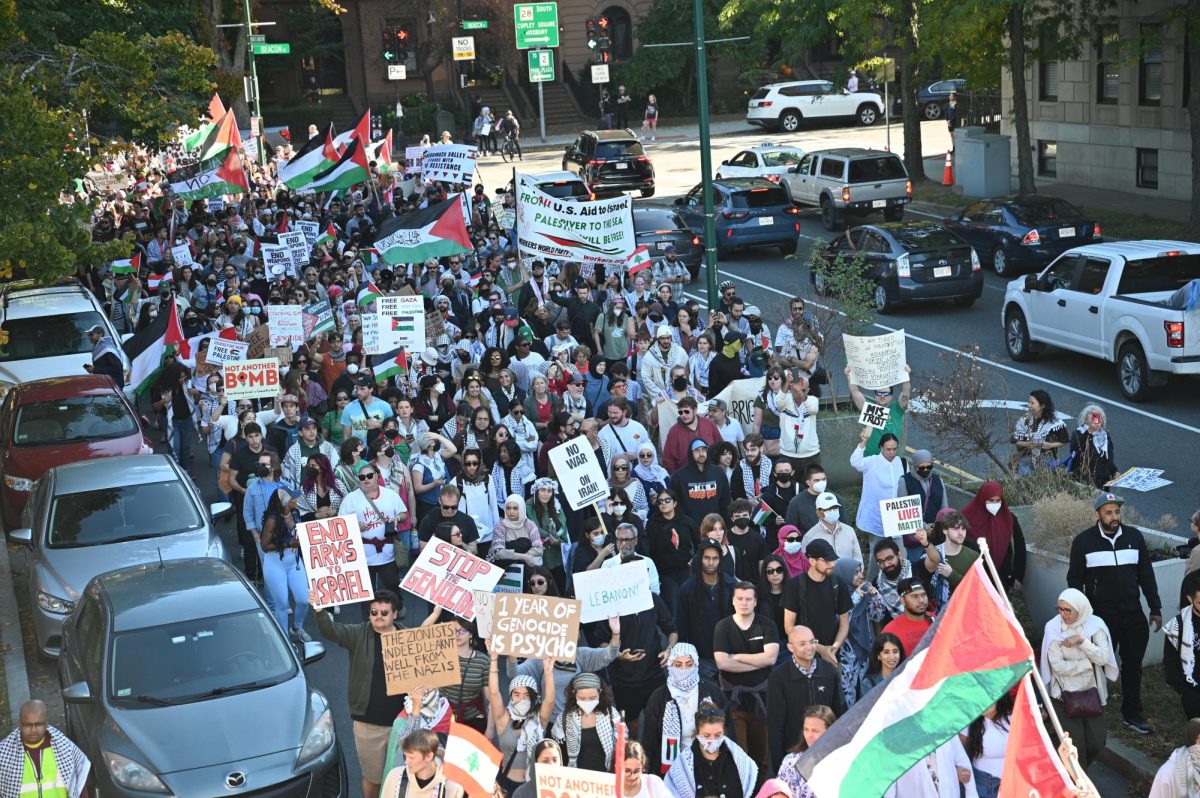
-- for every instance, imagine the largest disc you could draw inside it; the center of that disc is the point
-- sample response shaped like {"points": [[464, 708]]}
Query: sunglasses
{"points": [[343, 398], [661, 502], [380, 613], [774, 571], [469, 463], [792, 539], [450, 507], [365, 477], [620, 468]]}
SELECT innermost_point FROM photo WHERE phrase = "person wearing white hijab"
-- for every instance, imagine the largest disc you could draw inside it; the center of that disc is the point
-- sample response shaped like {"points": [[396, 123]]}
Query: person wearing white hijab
{"points": [[1078, 656], [654, 477], [515, 538], [1179, 777]]}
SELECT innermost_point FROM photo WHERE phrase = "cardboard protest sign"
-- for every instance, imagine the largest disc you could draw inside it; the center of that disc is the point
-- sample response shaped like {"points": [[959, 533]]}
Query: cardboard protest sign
{"points": [[600, 231], [451, 163], [287, 324], [424, 656], [448, 576], [901, 516], [297, 247], [401, 321], [558, 781], [874, 415], [335, 561], [281, 353], [311, 230], [542, 627], [277, 259], [182, 255], [222, 351], [435, 327], [876, 361], [608, 592], [579, 473], [252, 379], [370, 331], [258, 339], [485, 605]]}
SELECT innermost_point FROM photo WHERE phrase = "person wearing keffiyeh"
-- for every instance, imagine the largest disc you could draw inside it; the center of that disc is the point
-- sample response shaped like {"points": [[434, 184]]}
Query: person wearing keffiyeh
{"points": [[588, 700], [1179, 776], [38, 759], [669, 719]]}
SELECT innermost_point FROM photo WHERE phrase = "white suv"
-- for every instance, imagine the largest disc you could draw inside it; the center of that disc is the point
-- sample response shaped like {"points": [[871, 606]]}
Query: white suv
{"points": [[781, 106]]}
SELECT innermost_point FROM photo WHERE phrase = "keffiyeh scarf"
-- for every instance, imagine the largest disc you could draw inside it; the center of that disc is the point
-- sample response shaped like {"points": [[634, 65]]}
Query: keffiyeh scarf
{"points": [[1187, 771], [749, 476], [1181, 630], [73, 765], [570, 731], [887, 588]]}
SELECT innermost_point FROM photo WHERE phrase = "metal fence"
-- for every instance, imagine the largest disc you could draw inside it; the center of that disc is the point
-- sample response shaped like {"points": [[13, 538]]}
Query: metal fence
{"points": [[979, 108]]}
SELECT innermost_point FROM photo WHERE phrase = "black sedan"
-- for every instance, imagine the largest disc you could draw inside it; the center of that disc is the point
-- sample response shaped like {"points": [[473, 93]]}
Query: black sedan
{"points": [[910, 262], [658, 228], [1023, 233]]}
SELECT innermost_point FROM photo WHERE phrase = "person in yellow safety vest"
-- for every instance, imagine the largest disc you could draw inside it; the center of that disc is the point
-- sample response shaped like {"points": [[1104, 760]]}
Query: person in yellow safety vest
{"points": [[38, 761]]}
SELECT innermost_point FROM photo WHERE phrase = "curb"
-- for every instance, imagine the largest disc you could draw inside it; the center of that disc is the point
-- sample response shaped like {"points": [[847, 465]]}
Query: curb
{"points": [[1129, 762], [15, 675]]}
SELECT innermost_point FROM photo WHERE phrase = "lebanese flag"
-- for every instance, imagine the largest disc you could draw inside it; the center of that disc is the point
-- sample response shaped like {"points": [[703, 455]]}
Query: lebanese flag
{"points": [[1031, 765], [638, 261], [973, 654], [471, 761]]}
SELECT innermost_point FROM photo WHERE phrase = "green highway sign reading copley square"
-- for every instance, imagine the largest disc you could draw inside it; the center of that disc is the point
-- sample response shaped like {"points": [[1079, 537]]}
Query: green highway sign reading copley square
{"points": [[536, 25], [272, 48]]}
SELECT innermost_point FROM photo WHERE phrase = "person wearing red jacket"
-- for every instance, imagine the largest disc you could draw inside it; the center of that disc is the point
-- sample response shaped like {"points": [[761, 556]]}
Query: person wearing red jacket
{"points": [[690, 426]]}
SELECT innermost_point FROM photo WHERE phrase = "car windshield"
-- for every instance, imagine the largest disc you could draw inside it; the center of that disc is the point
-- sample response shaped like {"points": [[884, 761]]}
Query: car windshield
{"points": [[606, 150], [189, 661], [115, 515], [35, 337], [760, 198], [870, 170], [650, 220], [781, 158], [564, 189], [916, 239], [79, 418], [1040, 212]]}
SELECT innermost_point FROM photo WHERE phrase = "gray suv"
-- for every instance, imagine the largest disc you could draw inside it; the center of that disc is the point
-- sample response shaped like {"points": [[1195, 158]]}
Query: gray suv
{"points": [[850, 181]]}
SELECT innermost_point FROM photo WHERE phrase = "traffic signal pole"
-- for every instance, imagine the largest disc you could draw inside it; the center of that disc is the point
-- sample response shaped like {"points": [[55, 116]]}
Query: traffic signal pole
{"points": [[262, 158]]}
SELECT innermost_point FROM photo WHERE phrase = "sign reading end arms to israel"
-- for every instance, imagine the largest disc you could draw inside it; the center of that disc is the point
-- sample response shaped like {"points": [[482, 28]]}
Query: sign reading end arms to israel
{"points": [[587, 232]]}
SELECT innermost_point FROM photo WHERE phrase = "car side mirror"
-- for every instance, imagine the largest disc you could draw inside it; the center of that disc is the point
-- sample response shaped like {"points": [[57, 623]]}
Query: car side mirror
{"points": [[678, 201], [567, 148], [1031, 283], [23, 535], [220, 511], [312, 652], [724, 163], [78, 693]]}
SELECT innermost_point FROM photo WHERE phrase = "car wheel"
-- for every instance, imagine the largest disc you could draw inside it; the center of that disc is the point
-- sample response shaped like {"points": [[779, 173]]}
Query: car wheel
{"points": [[788, 248], [1016, 337], [790, 121], [867, 114], [1000, 262], [965, 301], [647, 192], [933, 111], [882, 303], [830, 218], [1134, 373], [894, 213]]}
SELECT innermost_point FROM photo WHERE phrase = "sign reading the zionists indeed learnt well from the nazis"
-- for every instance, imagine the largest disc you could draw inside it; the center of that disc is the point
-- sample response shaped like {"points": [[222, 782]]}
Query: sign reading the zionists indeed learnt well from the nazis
{"points": [[335, 561], [901, 516], [251, 379], [424, 656], [876, 361], [579, 472], [448, 576], [541, 627]]}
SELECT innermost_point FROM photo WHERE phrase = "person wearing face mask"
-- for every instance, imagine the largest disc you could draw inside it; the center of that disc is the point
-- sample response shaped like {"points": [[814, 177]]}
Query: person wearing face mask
{"points": [[745, 539], [308, 444], [588, 660], [1092, 458], [920, 480], [713, 764], [587, 727], [726, 366], [520, 723], [802, 509], [778, 496], [829, 527], [990, 518], [669, 719]]}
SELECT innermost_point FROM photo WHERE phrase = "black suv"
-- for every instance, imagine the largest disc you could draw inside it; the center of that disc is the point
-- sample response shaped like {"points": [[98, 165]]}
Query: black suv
{"points": [[610, 161]]}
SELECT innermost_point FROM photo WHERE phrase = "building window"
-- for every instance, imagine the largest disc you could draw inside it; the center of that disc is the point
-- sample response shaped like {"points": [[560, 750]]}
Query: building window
{"points": [[1048, 80], [1108, 66], [1147, 168], [1150, 66], [1048, 158]]}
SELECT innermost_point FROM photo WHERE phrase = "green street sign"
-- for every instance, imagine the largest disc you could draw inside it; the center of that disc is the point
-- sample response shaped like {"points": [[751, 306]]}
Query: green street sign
{"points": [[541, 66], [474, 24], [536, 25], [273, 48], [257, 38]]}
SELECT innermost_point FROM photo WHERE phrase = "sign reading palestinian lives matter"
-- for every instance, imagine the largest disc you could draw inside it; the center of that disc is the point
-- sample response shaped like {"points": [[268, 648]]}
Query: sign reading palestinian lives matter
{"points": [[277, 259], [613, 592], [876, 361], [594, 232], [182, 255], [424, 656], [401, 322], [335, 561], [287, 325], [297, 246], [370, 334], [559, 781], [252, 379], [874, 415], [450, 163], [448, 576], [901, 516], [222, 351], [541, 627], [580, 475], [311, 230]]}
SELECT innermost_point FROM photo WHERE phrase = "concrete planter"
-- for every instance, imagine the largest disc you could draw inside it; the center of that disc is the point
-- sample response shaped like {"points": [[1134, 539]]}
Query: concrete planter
{"points": [[839, 439]]}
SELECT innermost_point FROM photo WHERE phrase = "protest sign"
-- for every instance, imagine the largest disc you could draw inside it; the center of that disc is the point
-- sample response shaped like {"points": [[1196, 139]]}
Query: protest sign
{"points": [[222, 351], [1140, 479], [370, 337], [287, 324], [413, 155], [182, 255], [608, 592], [259, 339], [318, 318], [277, 259], [335, 561], [901, 516], [424, 656], [448, 576], [252, 379], [311, 230], [873, 415], [560, 781], [281, 353], [216, 204], [594, 232], [451, 163], [578, 472], [401, 321], [485, 604], [876, 361], [541, 627], [513, 580], [297, 247], [739, 398]]}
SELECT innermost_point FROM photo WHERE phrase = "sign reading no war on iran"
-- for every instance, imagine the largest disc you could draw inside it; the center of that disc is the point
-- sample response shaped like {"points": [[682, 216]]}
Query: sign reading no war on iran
{"points": [[579, 472], [876, 361]]}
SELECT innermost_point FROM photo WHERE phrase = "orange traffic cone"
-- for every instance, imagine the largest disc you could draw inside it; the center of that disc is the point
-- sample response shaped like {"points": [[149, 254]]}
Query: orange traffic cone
{"points": [[948, 171]]}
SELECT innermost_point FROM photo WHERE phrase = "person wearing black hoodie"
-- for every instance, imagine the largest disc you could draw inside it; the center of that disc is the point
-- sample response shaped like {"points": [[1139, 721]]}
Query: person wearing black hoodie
{"points": [[701, 487], [704, 599], [671, 538]]}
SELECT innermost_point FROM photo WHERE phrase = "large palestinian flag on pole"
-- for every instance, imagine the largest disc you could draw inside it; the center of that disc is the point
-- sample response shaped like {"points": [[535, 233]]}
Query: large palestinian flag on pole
{"points": [[316, 156], [974, 653], [350, 170], [228, 177], [148, 346], [432, 232]]}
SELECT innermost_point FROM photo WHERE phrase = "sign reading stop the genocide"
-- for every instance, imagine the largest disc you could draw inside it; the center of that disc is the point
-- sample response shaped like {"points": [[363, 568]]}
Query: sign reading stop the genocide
{"points": [[448, 576], [252, 379]]}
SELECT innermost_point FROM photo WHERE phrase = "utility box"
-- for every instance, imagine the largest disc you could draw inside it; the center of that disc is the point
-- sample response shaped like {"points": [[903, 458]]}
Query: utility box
{"points": [[982, 165]]}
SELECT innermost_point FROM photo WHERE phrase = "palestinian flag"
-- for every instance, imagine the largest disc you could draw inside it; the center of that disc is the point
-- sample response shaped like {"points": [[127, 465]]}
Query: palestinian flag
{"points": [[368, 293], [154, 280], [148, 346], [127, 266], [330, 234], [764, 512], [360, 132], [390, 364], [638, 261], [216, 109], [312, 159], [471, 761], [1031, 764], [227, 178], [369, 255], [381, 153], [433, 232], [349, 171], [973, 654], [225, 137]]}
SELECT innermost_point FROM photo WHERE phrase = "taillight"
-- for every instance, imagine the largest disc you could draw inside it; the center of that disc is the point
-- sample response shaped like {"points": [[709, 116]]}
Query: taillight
{"points": [[729, 233], [695, 241], [766, 104], [1174, 333], [908, 188], [797, 227], [974, 260], [596, 162], [792, 210], [1032, 238], [643, 159], [903, 266], [735, 214], [1096, 230], [773, 178], [845, 193]]}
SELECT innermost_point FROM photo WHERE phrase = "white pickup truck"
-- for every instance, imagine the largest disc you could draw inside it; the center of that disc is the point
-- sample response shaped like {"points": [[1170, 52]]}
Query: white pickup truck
{"points": [[1122, 302]]}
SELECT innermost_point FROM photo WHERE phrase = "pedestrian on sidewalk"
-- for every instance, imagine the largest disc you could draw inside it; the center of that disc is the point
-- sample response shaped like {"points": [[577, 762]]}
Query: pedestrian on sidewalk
{"points": [[650, 121], [623, 101], [606, 111]]}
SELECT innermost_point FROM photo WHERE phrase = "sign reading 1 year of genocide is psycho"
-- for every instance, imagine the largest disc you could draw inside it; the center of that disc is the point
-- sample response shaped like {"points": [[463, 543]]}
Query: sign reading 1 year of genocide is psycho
{"points": [[536, 25], [425, 656], [447, 576], [876, 361], [901, 516], [579, 473], [541, 627], [336, 563], [252, 379]]}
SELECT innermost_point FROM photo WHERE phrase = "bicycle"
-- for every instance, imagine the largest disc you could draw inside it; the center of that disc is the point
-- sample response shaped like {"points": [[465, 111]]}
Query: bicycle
{"points": [[508, 151]]}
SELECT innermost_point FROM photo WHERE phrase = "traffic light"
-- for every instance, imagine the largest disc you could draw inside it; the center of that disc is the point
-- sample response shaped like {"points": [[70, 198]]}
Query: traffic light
{"points": [[593, 33], [403, 43], [389, 45], [603, 40]]}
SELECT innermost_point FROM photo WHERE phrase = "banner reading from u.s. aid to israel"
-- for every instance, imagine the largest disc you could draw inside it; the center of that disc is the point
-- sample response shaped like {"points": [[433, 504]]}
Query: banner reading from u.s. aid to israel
{"points": [[586, 232]]}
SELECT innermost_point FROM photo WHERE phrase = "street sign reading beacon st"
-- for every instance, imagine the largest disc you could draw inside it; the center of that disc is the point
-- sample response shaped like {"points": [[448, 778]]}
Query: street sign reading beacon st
{"points": [[536, 25]]}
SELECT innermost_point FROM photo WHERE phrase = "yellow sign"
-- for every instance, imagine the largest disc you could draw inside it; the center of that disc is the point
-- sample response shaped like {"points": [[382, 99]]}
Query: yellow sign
{"points": [[463, 48]]}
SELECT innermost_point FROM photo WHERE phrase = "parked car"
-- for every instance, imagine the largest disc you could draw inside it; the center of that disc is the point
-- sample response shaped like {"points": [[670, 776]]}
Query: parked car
{"points": [[86, 518], [657, 228], [610, 161], [48, 423], [1123, 302], [910, 262], [850, 181], [783, 106], [750, 212], [44, 332], [178, 681], [771, 161], [1025, 232]]}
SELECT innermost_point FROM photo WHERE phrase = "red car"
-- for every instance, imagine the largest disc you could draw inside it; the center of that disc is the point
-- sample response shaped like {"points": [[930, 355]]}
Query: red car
{"points": [[52, 422]]}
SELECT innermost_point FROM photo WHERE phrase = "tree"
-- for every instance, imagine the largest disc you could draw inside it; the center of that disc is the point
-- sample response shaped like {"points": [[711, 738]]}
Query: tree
{"points": [[844, 304], [958, 409], [1192, 27]]}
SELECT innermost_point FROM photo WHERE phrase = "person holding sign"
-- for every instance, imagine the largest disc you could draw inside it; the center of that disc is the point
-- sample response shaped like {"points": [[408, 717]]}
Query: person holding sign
{"points": [[885, 397], [521, 722], [881, 474], [380, 511]]}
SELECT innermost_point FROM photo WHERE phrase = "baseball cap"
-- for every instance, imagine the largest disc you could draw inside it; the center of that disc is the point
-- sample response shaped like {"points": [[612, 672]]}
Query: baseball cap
{"points": [[909, 585], [307, 420], [826, 500], [698, 443], [668, 249], [718, 404], [577, 378], [752, 310], [365, 381], [1107, 498], [287, 397], [820, 549], [511, 317]]}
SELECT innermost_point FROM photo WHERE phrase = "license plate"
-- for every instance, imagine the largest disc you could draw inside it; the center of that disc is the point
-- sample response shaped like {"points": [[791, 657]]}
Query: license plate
{"points": [[942, 271], [879, 204], [764, 221], [1066, 232], [661, 245], [622, 165]]}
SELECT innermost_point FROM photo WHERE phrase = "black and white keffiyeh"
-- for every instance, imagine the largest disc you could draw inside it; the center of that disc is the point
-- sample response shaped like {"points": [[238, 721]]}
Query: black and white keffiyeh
{"points": [[73, 765], [568, 729], [762, 474]]}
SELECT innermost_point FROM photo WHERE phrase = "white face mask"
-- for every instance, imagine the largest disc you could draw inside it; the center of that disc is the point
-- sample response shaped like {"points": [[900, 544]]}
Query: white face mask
{"points": [[598, 540], [713, 745], [521, 707], [792, 547], [588, 707], [993, 507], [352, 368], [617, 509], [819, 485], [832, 516]]}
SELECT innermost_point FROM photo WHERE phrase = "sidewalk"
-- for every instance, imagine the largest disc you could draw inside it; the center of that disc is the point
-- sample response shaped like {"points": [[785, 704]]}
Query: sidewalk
{"points": [[12, 649], [726, 125]]}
